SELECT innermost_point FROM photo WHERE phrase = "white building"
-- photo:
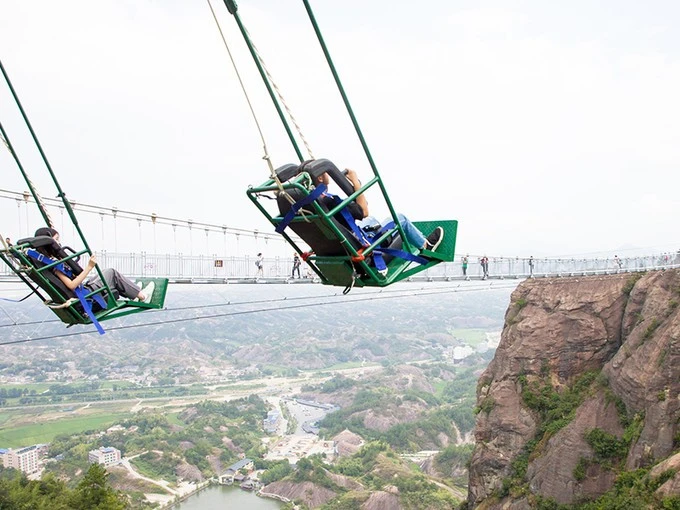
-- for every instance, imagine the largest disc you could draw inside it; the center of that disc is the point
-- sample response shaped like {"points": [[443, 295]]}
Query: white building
{"points": [[271, 422], [105, 455], [232, 471], [24, 459]]}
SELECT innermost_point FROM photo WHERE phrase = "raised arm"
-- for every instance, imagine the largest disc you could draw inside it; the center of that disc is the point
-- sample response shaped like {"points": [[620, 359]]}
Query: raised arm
{"points": [[78, 280], [361, 199]]}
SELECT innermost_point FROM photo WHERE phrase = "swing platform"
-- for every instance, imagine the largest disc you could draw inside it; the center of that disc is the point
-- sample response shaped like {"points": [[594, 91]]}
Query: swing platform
{"points": [[69, 306], [337, 256]]}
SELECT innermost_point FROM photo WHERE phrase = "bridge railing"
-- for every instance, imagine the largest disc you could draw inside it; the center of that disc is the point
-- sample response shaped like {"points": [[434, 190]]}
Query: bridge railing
{"points": [[180, 267]]}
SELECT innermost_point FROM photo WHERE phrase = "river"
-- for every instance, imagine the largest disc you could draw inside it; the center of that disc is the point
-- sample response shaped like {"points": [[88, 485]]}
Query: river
{"points": [[221, 497]]}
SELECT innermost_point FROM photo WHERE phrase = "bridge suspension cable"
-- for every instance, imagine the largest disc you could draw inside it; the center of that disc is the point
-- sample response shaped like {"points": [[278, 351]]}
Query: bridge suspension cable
{"points": [[154, 218], [371, 296]]}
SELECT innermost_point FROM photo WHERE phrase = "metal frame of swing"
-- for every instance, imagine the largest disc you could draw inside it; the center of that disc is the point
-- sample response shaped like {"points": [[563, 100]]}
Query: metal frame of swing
{"points": [[68, 310], [354, 267], [322, 265], [68, 307]]}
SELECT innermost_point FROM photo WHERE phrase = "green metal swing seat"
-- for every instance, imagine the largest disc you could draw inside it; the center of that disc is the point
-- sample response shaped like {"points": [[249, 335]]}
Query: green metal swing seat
{"points": [[337, 256], [60, 299]]}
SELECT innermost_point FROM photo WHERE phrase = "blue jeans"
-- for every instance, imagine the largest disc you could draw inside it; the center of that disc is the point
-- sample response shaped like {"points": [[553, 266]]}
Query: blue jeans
{"points": [[413, 235]]}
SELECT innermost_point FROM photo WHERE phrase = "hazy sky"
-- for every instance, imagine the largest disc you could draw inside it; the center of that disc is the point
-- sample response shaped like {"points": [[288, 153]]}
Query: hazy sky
{"points": [[545, 128]]}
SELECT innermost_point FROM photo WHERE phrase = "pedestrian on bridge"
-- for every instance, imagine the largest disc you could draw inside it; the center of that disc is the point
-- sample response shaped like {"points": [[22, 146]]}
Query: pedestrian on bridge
{"points": [[296, 266], [465, 264], [259, 263], [484, 261], [531, 266]]}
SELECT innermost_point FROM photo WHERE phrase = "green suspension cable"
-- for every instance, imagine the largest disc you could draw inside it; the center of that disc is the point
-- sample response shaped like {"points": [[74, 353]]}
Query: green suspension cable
{"points": [[61, 194], [67, 204], [36, 197], [232, 8], [341, 89]]}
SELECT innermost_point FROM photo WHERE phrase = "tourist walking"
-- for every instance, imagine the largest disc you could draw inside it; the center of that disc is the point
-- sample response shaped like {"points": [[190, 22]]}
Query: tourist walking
{"points": [[296, 266], [259, 263]]}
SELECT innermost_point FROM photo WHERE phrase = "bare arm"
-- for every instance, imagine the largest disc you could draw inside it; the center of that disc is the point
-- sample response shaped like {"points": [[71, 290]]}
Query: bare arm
{"points": [[78, 280], [361, 199]]}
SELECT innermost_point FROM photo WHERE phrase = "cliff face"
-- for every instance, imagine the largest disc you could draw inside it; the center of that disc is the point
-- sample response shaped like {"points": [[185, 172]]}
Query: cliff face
{"points": [[607, 347]]}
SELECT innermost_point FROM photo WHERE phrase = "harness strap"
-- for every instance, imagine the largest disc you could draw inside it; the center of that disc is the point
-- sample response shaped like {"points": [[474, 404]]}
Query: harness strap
{"points": [[36, 255], [394, 252], [87, 306], [359, 234], [403, 255], [295, 208], [80, 291]]}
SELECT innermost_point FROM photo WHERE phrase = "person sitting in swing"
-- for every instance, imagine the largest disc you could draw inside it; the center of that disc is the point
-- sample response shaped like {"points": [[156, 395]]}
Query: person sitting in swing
{"points": [[358, 208], [113, 278]]}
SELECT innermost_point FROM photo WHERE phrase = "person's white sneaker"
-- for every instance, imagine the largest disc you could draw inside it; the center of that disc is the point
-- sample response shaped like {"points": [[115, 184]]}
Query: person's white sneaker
{"points": [[148, 292]]}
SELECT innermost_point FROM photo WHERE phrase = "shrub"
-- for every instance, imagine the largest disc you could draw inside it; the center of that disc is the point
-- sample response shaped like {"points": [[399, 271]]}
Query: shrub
{"points": [[606, 446], [580, 469]]}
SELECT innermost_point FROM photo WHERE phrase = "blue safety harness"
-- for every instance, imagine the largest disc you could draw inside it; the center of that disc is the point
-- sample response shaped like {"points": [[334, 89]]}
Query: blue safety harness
{"points": [[295, 208], [80, 292], [364, 237]]}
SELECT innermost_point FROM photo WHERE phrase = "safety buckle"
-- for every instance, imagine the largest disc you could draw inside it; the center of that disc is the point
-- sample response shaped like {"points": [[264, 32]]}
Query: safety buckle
{"points": [[359, 257]]}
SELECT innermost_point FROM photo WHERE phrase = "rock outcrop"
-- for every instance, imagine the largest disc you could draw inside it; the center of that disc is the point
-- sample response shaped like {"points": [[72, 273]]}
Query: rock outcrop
{"points": [[312, 495], [616, 338], [381, 500], [347, 443]]}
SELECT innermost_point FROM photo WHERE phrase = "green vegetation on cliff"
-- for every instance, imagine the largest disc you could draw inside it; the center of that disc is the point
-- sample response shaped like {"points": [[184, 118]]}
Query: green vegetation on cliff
{"points": [[376, 468], [418, 419], [93, 492]]}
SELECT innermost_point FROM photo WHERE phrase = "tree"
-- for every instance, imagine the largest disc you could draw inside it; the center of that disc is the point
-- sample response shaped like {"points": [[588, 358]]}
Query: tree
{"points": [[94, 493]]}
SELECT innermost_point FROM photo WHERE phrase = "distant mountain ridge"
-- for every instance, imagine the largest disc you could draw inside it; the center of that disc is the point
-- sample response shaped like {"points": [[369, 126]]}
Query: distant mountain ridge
{"points": [[309, 336]]}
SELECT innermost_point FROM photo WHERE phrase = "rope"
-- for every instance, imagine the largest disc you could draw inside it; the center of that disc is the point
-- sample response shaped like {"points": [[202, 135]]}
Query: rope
{"points": [[266, 156], [34, 189], [269, 78], [61, 194], [281, 98], [413, 292], [41, 203], [132, 215], [6, 144], [31, 186], [243, 312]]}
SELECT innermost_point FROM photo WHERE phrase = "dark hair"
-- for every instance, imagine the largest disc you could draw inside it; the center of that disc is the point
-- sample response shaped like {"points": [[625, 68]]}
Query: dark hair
{"points": [[45, 231], [51, 249]]}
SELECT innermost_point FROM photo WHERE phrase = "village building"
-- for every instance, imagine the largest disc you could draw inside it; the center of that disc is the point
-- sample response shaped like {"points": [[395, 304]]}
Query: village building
{"points": [[24, 459], [271, 422], [104, 455], [233, 474]]}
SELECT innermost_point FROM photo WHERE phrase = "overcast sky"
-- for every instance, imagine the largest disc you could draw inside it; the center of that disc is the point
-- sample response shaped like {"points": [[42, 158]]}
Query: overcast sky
{"points": [[545, 128]]}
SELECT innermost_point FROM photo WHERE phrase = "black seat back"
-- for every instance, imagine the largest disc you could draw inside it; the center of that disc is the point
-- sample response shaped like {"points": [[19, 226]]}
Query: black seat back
{"points": [[317, 233], [48, 245], [58, 292]]}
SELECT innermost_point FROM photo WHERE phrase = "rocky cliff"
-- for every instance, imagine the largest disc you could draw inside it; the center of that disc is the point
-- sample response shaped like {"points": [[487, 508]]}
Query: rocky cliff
{"points": [[582, 392]]}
